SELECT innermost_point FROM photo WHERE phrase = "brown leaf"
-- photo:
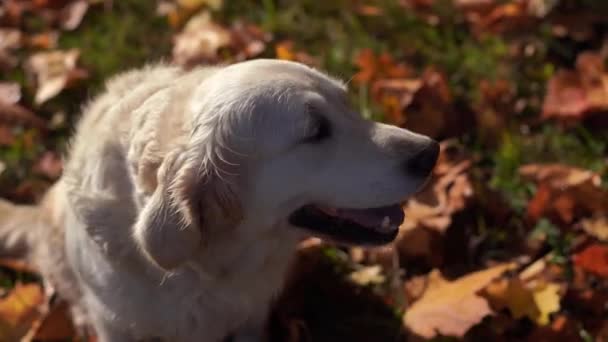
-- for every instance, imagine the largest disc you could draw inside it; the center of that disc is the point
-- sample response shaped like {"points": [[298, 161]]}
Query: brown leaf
{"points": [[10, 92], [447, 192], [571, 95], [44, 40], [286, 50], [248, 40], [19, 310], [72, 14], [200, 41], [54, 71], [451, 308], [374, 67], [10, 40], [564, 192]]}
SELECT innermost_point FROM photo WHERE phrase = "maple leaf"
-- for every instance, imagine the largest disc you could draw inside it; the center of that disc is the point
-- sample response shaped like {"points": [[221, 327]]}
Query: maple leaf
{"points": [[593, 259], [525, 296], [451, 308], [54, 71]]}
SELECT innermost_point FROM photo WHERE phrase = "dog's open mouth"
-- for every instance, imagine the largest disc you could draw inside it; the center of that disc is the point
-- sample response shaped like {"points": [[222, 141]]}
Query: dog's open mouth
{"points": [[374, 226]]}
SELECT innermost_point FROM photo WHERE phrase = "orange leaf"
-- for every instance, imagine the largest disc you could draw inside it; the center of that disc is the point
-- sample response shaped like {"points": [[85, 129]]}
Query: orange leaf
{"points": [[593, 259], [451, 308], [19, 310]]}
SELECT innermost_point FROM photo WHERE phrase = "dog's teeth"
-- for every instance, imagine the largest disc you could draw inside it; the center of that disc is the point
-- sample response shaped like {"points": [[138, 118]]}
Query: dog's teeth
{"points": [[386, 222]]}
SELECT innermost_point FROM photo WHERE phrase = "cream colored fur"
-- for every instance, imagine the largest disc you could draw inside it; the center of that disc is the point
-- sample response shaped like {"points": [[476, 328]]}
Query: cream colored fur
{"points": [[170, 220]]}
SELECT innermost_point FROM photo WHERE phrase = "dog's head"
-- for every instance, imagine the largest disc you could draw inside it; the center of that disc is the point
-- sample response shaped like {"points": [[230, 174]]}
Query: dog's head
{"points": [[274, 147]]}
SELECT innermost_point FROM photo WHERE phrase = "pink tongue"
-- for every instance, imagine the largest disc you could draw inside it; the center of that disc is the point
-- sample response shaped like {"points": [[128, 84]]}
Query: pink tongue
{"points": [[369, 217]]}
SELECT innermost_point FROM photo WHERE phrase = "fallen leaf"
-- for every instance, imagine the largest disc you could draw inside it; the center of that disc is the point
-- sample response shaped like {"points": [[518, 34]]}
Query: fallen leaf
{"points": [[286, 50], [447, 193], [564, 191], [54, 71], [535, 300], [10, 92], [44, 40], [72, 14], [200, 41], [596, 227], [593, 259], [547, 299], [10, 40], [572, 94], [374, 67], [248, 40], [19, 310], [451, 308]]}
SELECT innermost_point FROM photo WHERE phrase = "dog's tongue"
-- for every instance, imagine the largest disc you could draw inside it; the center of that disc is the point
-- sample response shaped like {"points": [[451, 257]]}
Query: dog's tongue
{"points": [[382, 217]]}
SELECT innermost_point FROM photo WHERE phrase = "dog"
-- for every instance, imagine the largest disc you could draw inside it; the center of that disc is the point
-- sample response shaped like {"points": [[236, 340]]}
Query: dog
{"points": [[185, 193]]}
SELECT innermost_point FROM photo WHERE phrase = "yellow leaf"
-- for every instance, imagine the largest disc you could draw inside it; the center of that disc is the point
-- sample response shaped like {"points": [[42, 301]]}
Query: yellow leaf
{"points": [[546, 298], [597, 227], [451, 308], [19, 310]]}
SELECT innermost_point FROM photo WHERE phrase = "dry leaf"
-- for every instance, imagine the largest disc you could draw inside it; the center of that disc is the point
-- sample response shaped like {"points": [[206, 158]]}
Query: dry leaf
{"points": [[248, 40], [451, 308], [571, 95], [596, 227], [374, 67], [446, 193], [10, 40], [535, 300], [200, 41], [19, 310], [593, 259], [546, 298], [72, 14], [10, 92], [563, 191], [54, 71], [286, 50]]}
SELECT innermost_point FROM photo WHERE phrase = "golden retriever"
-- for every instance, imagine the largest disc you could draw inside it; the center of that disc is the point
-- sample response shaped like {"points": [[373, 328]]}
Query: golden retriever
{"points": [[184, 195]]}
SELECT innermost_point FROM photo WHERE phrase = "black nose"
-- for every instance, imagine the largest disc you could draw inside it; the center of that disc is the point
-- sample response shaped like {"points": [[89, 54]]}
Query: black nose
{"points": [[423, 162]]}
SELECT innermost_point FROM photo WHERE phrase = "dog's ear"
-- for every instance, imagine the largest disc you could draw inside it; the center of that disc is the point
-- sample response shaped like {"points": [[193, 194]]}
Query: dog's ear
{"points": [[190, 197]]}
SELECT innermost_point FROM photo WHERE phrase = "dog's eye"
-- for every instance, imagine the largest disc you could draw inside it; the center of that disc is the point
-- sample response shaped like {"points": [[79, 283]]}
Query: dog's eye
{"points": [[320, 129]]}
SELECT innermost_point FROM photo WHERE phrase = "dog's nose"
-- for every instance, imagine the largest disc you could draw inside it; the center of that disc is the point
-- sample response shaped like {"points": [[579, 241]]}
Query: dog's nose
{"points": [[423, 162]]}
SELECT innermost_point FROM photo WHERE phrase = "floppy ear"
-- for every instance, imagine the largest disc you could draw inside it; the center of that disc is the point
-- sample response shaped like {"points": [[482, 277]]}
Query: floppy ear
{"points": [[189, 197]]}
